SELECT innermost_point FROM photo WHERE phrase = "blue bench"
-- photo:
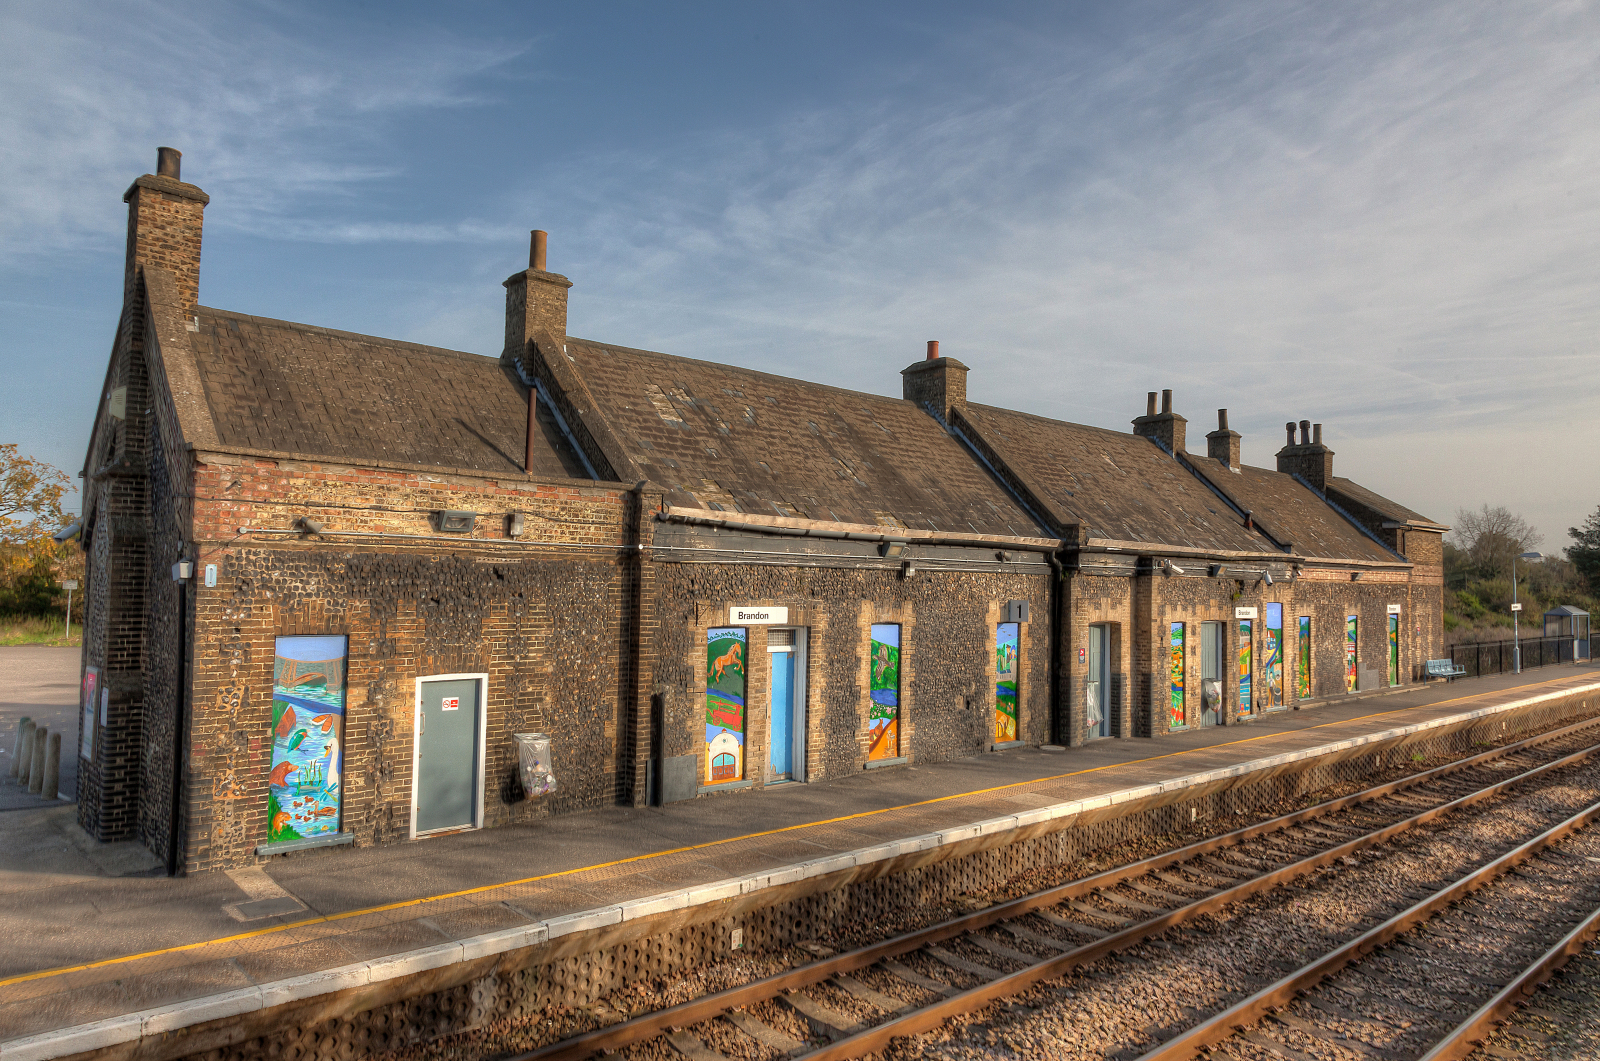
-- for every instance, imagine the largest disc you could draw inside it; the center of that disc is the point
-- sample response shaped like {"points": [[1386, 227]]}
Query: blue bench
{"points": [[1443, 668]]}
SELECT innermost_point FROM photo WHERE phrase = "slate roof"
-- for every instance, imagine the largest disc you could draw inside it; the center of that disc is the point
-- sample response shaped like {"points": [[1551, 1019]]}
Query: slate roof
{"points": [[293, 388], [1377, 502], [730, 439], [1115, 484], [1285, 506]]}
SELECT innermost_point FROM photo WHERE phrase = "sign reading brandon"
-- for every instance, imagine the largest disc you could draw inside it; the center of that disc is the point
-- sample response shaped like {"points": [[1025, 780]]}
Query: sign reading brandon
{"points": [[749, 615], [725, 673]]}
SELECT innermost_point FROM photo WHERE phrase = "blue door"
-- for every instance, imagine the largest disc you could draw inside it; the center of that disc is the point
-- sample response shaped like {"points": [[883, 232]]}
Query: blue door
{"points": [[782, 713]]}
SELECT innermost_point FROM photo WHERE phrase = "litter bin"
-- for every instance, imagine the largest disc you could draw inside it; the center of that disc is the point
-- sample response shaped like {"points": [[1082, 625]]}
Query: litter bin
{"points": [[533, 759]]}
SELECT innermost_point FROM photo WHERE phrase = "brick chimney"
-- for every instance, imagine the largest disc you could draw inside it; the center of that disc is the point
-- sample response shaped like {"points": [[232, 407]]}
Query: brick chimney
{"points": [[536, 305], [940, 383], [1309, 459], [1223, 444], [165, 217], [1165, 427]]}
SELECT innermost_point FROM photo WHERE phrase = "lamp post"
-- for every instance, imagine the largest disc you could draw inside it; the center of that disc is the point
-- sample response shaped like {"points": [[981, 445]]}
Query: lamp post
{"points": [[1516, 611]]}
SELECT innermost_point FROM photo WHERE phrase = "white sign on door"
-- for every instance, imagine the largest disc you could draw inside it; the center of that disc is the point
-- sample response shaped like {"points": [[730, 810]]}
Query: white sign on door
{"points": [[750, 615], [450, 703]]}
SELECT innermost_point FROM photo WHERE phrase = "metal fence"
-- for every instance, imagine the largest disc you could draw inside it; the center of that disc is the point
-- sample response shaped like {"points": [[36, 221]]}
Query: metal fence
{"points": [[1497, 657]]}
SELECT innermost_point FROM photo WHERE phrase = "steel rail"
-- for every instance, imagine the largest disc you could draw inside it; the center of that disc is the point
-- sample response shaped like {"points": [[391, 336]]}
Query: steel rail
{"points": [[1222, 1026], [707, 1007], [879, 1036], [1466, 1036]]}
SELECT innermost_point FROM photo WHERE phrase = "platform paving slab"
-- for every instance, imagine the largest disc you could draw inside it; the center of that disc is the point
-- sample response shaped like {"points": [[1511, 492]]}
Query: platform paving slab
{"points": [[366, 906]]}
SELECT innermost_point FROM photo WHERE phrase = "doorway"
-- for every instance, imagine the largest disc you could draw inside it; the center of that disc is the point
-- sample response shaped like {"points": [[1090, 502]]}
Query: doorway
{"points": [[1097, 685], [786, 709], [1212, 638], [447, 756]]}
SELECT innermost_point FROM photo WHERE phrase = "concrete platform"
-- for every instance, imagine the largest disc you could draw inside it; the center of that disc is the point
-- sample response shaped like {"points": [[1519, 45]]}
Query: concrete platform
{"points": [[96, 960]]}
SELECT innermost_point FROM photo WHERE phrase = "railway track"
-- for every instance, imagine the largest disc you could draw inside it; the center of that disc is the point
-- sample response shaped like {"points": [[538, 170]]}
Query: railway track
{"points": [[859, 1002]]}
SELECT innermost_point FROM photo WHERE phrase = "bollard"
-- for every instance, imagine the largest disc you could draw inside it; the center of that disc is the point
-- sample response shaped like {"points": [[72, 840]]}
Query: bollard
{"points": [[36, 774], [24, 757], [52, 768], [16, 747]]}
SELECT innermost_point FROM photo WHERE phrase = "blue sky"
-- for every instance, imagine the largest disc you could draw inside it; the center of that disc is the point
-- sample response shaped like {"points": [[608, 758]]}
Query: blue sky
{"points": [[1383, 218]]}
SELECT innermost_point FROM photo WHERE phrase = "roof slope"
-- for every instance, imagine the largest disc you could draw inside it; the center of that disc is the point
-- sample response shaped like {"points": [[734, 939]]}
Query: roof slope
{"points": [[1377, 502], [1286, 507], [293, 388], [1117, 486], [724, 438]]}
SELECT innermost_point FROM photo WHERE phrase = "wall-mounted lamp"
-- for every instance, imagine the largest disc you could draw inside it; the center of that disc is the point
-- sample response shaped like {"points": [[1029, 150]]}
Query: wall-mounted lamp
{"points": [[1217, 570], [907, 569], [891, 549], [516, 525], [1001, 555], [183, 571], [1268, 575], [1355, 576], [1294, 574], [1173, 569], [452, 522], [307, 525]]}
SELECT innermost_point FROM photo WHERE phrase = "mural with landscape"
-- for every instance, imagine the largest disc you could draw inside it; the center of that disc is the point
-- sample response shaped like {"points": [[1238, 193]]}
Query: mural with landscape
{"points": [[883, 717], [1246, 665], [1178, 712], [304, 794], [725, 689], [1394, 650], [1305, 656], [1350, 654], [1272, 655], [1006, 650]]}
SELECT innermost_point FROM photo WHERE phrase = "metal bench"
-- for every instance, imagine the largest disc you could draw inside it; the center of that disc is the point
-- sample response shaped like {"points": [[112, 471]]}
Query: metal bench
{"points": [[1443, 668]]}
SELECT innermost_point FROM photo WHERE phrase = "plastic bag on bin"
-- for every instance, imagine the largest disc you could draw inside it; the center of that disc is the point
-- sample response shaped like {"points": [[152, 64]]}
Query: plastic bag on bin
{"points": [[533, 759]]}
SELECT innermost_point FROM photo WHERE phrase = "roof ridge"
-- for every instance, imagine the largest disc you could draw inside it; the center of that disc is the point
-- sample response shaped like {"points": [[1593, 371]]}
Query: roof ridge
{"points": [[376, 340]]}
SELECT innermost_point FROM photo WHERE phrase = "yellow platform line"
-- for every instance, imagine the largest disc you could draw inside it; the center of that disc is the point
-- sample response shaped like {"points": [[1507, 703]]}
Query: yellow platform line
{"points": [[323, 919]]}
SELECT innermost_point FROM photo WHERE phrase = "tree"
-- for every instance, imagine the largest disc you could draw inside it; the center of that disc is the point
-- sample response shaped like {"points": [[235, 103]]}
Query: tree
{"points": [[32, 563], [30, 497], [1585, 550], [1491, 537]]}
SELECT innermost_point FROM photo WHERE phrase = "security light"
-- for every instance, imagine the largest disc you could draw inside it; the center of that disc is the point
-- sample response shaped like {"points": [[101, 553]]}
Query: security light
{"points": [[518, 524], [1217, 570], [451, 522], [891, 549], [1173, 569], [307, 525], [1269, 578]]}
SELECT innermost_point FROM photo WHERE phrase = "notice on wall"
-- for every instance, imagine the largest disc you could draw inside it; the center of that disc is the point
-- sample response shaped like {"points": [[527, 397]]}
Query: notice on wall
{"points": [[91, 682], [1244, 612], [750, 615], [1392, 609]]}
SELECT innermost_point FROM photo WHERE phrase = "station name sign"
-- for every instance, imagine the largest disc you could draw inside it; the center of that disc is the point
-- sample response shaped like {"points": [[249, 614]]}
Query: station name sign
{"points": [[1243, 613], [748, 615]]}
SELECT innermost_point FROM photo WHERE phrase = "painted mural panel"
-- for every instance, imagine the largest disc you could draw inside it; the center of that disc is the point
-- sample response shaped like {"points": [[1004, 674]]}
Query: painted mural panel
{"points": [[304, 790], [1006, 649], [1305, 657], [883, 718], [725, 687], [1247, 665], [1178, 709], [91, 682], [1394, 650], [1272, 655], [1349, 653]]}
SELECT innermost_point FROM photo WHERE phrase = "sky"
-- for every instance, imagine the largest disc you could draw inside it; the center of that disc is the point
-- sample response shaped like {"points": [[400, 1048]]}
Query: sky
{"points": [[1383, 218]]}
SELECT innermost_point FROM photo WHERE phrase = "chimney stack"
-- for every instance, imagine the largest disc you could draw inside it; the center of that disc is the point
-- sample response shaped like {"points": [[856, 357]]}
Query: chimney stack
{"points": [[1223, 444], [1166, 427], [165, 220], [940, 383], [1309, 459], [536, 308]]}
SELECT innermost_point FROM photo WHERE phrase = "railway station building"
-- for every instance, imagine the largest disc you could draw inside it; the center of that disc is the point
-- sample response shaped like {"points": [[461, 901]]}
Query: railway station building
{"points": [[331, 577]]}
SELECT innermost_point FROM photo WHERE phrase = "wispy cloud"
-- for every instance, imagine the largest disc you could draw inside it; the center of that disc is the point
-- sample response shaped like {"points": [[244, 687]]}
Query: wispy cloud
{"points": [[281, 116]]}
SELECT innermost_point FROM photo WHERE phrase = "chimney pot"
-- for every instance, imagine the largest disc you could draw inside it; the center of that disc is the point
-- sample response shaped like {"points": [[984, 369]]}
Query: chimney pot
{"points": [[1150, 404], [1166, 401], [1222, 419], [1289, 427], [1316, 434], [536, 249], [1305, 432], [169, 162], [933, 349]]}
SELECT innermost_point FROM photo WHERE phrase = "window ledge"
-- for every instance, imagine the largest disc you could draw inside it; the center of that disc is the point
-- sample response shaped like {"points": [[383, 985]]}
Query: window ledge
{"points": [[726, 786], [283, 847], [878, 764]]}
